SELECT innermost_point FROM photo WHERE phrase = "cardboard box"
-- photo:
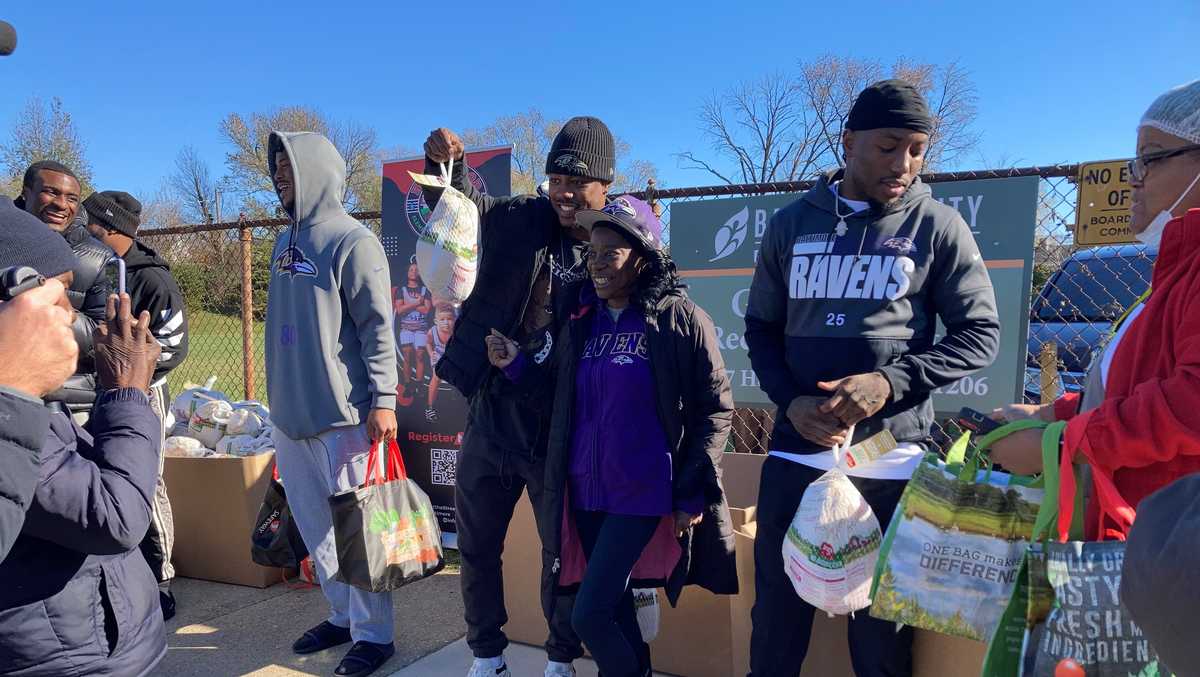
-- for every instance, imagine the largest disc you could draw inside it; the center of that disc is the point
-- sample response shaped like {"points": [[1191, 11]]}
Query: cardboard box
{"points": [[215, 502], [701, 619], [709, 635]]}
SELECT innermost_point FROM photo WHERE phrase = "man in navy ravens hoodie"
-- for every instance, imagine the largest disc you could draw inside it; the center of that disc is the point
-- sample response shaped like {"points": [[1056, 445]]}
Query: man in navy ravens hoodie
{"points": [[850, 282]]}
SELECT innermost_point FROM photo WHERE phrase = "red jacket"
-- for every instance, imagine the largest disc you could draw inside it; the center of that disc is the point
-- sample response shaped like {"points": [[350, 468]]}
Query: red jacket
{"points": [[1146, 433]]}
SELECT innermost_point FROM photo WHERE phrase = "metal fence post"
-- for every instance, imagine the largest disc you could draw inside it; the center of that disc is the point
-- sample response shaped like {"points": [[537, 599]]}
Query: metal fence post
{"points": [[1048, 361], [247, 312]]}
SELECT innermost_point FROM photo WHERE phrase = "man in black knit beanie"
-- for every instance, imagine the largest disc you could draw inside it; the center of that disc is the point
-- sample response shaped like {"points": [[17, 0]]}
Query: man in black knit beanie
{"points": [[113, 217], [531, 266]]}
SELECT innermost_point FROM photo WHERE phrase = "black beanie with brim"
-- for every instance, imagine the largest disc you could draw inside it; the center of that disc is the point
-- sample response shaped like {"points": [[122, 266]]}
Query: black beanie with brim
{"points": [[26, 241]]}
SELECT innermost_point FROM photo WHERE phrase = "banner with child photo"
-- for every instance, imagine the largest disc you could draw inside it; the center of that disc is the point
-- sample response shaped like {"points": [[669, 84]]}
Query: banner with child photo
{"points": [[432, 415]]}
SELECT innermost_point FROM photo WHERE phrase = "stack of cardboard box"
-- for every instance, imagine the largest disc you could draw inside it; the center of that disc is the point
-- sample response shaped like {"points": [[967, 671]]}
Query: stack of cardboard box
{"points": [[708, 635], [215, 502]]}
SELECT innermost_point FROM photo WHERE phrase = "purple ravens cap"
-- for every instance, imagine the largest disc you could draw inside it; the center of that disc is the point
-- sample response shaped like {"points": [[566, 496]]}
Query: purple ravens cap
{"points": [[629, 216]]}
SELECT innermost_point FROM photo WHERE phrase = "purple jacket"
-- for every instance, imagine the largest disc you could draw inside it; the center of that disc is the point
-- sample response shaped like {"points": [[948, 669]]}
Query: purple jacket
{"points": [[619, 459], [690, 400]]}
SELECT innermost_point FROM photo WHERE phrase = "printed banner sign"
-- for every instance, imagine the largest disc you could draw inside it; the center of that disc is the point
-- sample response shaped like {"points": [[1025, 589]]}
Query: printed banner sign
{"points": [[431, 414]]}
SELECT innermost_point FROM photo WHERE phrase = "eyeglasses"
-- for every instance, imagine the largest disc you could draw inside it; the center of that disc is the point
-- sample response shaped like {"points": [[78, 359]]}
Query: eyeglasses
{"points": [[1140, 165]]}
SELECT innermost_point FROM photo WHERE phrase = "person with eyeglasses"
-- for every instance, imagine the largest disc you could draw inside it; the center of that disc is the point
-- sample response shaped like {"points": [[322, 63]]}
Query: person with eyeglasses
{"points": [[1138, 418]]}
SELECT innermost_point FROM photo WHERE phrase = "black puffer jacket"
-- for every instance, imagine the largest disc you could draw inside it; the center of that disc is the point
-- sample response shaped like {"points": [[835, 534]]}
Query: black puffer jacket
{"points": [[89, 294], [695, 408]]}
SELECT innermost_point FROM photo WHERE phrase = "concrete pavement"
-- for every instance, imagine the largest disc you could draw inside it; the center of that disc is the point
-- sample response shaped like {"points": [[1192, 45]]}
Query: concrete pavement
{"points": [[226, 630]]}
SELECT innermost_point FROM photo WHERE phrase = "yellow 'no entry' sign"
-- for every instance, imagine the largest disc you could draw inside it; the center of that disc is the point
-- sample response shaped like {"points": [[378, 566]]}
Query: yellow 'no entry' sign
{"points": [[1102, 207]]}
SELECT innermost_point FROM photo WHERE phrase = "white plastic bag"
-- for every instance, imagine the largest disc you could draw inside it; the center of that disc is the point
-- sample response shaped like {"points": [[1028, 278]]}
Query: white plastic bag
{"points": [[248, 418], [243, 445], [210, 422], [448, 250], [187, 402], [183, 446], [645, 600], [832, 546]]}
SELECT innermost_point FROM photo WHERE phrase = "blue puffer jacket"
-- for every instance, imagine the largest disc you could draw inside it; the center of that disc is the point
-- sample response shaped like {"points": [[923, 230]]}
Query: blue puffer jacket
{"points": [[77, 597]]}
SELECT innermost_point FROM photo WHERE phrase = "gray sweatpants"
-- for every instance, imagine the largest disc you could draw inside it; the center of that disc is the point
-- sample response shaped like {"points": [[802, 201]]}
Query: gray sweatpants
{"points": [[312, 470], [159, 542]]}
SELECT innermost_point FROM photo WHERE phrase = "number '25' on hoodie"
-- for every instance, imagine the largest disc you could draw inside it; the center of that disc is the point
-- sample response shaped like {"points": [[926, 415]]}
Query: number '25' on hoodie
{"points": [[825, 306]]}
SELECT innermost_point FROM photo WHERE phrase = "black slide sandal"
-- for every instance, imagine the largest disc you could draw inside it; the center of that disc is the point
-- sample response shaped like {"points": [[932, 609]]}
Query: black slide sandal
{"points": [[365, 658]]}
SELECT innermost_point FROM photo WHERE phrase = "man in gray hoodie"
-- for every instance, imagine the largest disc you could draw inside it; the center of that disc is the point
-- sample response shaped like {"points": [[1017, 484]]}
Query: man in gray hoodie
{"points": [[841, 324], [331, 376]]}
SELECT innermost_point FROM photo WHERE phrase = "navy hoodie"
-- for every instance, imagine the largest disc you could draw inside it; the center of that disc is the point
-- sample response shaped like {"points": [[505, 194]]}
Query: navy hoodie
{"points": [[823, 307]]}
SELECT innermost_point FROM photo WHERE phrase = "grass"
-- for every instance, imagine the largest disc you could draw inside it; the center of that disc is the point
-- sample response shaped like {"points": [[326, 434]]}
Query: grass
{"points": [[215, 349]]}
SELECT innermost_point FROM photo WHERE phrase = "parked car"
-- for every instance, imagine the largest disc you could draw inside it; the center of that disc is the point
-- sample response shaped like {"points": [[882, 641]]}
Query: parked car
{"points": [[1077, 306]]}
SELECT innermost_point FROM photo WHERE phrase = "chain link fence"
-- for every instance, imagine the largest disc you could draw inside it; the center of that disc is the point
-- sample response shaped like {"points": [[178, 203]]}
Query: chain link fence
{"points": [[216, 265], [1078, 293]]}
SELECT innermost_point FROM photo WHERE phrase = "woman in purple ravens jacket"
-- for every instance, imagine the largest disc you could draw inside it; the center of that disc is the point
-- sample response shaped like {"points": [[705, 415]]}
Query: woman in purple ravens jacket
{"points": [[642, 411]]}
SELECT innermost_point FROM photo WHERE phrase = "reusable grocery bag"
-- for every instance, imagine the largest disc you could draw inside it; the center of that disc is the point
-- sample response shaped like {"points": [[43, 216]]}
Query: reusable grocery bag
{"points": [[1021, 623], [831, 546], [448, 249], [950, 559], [385, 531], [1088, 624], [276, 540]]}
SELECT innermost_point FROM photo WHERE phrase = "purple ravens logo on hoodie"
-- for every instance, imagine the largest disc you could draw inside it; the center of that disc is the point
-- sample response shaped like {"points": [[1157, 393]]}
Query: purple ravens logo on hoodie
{"points": [[293, 262]]}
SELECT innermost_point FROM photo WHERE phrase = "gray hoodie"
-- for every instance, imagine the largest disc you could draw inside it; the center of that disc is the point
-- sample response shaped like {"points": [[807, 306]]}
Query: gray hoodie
{"points": [[331, 352], [825, 306]]}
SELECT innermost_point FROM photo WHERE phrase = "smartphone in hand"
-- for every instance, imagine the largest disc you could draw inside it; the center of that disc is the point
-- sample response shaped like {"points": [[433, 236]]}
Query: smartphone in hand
{"points": [[977, 422]]}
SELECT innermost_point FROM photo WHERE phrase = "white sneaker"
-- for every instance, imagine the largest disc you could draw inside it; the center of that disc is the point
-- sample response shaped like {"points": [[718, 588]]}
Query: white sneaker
{"points": [[489, 667], [554, 669]]}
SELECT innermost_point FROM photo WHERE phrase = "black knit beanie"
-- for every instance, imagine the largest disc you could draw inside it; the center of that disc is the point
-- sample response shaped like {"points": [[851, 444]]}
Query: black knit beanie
{"points": [[584, 147], [26, 241], [890, 104], [115, 209]]}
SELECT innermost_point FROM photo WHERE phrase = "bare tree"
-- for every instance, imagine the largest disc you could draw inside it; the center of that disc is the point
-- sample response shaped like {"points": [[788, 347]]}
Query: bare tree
{"points": [[192, 185], [248, 162], [762, 128], [44, 131], [783, 128], [953, 101], [531, 133]]}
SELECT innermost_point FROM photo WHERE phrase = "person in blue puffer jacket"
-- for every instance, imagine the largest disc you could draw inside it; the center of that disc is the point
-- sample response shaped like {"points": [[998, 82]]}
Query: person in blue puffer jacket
{"points": [[78, 597]]}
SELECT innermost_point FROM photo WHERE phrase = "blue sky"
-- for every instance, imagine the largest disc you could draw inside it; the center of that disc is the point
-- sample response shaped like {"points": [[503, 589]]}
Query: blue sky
{"points": [[1057, 81]]}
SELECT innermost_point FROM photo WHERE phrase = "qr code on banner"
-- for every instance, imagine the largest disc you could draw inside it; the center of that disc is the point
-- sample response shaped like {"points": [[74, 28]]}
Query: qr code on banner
{"points": [[442, 465]]}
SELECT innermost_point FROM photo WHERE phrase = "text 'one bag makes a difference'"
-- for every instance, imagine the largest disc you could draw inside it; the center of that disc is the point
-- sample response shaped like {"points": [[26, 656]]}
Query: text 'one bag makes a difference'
{"points": [[952, 553]]}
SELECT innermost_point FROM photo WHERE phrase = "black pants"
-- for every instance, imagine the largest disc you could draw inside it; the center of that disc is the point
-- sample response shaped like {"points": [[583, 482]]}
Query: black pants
{"points": [[605, 616], [783, 621], [489, 484]]}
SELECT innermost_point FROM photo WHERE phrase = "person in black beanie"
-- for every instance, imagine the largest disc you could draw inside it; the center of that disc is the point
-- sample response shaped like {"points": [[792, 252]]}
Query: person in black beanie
{"points": [[529, 275], [841, 326], [113, 218], [50, 191]]}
